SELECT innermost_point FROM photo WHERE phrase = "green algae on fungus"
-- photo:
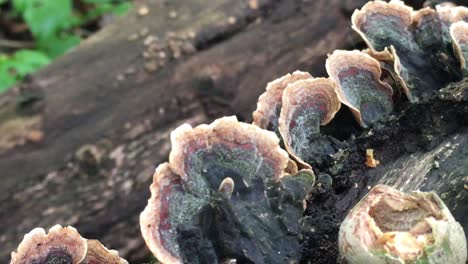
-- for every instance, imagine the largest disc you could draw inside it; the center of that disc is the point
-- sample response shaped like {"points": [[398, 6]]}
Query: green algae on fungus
{"points": [[308, 104], [459, 33], [61, 245], [221, 196], [359, 87], [422, 58], [269, 103], [388, 226]]}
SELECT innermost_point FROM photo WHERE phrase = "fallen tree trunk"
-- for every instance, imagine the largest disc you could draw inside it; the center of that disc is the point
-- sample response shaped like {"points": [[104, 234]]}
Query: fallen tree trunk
{"points": [[81, 138]]}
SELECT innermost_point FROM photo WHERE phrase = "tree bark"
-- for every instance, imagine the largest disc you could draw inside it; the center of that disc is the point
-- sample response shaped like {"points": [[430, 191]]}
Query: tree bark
{"points": [[80, 139]]}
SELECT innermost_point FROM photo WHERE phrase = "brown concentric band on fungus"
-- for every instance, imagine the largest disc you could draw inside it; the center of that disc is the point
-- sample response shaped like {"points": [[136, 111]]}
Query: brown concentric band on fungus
{"points": [[307, 104], [201, 160], [186, 139], [99, 254], [164, 180], [359, 87], [388, 225], [269, 103], [394, 8], [403, 16], [60, 244], [459, 34], [450, 13], [417, 40]]}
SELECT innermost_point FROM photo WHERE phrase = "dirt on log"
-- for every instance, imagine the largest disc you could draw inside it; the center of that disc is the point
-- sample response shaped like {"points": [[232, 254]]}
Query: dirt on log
{"points": [[79, 140]]}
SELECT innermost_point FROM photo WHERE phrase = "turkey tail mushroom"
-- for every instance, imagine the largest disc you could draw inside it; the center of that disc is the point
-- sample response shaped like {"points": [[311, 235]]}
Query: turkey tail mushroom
{"points": [[307, 104], [269, 103], [156, 227], [359, 87], [422, 58], [99, 254], [226, 136], [219, 179], [60, 245], [459, 33]]}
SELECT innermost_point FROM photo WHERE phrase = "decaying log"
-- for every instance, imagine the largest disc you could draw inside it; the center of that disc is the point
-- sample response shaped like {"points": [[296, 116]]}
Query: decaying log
{"points": [[105, 111], [79, 140]]}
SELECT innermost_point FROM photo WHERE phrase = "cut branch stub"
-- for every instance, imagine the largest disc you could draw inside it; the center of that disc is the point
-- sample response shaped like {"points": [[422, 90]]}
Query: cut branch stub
{"points": [[60, 245], [220, 197], [390, 226], [422, 58], [269, 103], [307, 104], [359, 87], [459, 33]]}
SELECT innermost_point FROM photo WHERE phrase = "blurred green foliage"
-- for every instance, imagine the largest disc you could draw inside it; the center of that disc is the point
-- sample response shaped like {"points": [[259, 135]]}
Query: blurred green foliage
{"points": [[53, 25]]}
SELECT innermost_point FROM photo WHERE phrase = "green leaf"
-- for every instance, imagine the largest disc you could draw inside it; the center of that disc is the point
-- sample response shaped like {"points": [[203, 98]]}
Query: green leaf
{"points": [[45, 17], [14, 68], [7, 76], [122, 8], [20, 5], [55, 46]]}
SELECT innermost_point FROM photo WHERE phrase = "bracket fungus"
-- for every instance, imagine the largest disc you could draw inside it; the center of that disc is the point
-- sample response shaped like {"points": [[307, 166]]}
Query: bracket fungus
{"points": [[269, 103], [359, 87], [225, 195], [307, 104], [99, 254], [459, 33], [422, 58], [388, 226], [62, 245]]}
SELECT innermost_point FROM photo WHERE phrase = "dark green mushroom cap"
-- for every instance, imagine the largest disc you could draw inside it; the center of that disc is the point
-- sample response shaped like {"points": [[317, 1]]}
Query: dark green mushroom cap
{"points": [[225, 195], [359, 87], [62, 245], [307, 104]]}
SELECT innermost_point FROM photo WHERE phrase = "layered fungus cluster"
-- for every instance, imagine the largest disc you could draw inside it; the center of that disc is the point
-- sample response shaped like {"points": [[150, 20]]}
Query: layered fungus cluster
{"points": [[225, 194], [62, 245], [230, 192]]}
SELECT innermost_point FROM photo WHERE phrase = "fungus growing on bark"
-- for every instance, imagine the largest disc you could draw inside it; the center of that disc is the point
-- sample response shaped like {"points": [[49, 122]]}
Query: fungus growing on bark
{"points": [[359, 87], [450, 13], [459, 33], [416, 40], [61, 245], [390, 226], [225, 195], [269, 103], [99, 254], [308, 104]]}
